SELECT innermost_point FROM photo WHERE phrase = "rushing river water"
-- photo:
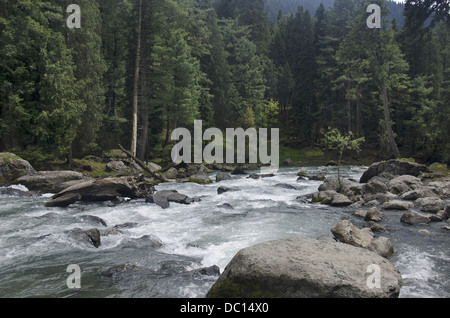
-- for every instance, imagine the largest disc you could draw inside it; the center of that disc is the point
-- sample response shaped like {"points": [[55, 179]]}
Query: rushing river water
{"points": [[36, 247]]}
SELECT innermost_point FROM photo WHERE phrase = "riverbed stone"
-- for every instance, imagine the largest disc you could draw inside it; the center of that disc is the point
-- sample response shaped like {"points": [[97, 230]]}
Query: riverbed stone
{"points": [[428, 204], [305, 268], [221, 176], [164, 197], [397, 205], [412, 217]]}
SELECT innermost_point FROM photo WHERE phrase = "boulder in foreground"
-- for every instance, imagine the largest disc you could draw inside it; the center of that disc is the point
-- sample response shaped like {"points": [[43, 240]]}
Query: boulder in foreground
{"points": [[305, 268]]}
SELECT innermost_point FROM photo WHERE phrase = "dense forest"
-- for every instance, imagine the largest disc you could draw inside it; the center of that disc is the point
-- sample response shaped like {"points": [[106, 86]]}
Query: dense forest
{"points": [[151, 66]]}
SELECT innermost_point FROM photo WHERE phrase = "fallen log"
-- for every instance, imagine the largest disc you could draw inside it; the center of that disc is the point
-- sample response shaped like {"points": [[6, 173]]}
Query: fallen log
{"points": [[143, 165]]}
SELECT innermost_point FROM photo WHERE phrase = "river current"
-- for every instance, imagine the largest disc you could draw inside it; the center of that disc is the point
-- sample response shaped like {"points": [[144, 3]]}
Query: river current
{"points": [[164, 245]]}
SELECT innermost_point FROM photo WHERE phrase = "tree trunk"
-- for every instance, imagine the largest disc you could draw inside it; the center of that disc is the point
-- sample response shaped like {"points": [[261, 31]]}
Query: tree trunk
{"points": [[143, 136], [387, 119], [136, 84], [359, 131]]}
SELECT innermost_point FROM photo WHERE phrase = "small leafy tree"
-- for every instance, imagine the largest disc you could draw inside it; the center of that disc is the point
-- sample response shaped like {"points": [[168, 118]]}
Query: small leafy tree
{"points": [[336, 140]]}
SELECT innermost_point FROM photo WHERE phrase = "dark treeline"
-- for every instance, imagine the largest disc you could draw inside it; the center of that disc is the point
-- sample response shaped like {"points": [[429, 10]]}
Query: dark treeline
{"points": [[67, 93]]}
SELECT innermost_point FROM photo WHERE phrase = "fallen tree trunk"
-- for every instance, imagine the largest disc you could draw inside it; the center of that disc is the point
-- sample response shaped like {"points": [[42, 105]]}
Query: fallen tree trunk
{"points": [[143, 165]]}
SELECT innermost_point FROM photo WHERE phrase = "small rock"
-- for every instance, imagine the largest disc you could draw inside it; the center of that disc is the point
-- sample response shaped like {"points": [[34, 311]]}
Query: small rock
{"points": [[433, 204], [221, 190], [374, 215], [221, 176]]}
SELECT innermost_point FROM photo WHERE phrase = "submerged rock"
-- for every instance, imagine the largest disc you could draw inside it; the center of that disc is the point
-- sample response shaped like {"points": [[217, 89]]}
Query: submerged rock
{"points": [[91, 236], [305, 268], [164, 197]]}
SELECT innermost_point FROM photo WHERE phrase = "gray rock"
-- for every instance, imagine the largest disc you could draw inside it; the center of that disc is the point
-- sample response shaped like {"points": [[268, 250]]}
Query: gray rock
{"points": [[164, 197], [373, 214], [200, 178], [331, 197], [221, 190], [346, 232], [373, 189], [412, 218], [13, 167], [393, 168], [91, 236], [221, 176], [305, 268], [374, 227], [420, 193], [50, 181], [405, 183], [432, 205], [116, 166], [397, 205]]}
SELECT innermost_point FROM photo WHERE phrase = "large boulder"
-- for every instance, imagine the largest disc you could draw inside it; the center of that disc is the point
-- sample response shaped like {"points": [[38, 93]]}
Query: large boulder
{"points": [[51, 181], [116, 166], [393, 168], [103, 190], [12, 167], [200, 178], [305, 268]]}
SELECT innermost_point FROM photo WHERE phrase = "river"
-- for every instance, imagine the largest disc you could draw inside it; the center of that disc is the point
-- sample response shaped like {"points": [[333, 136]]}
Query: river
{"points": [[36, 249]]}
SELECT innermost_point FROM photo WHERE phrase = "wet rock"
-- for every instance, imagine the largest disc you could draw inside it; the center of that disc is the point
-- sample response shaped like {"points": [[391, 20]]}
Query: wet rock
{"points": [[397, 205], [93, 219], [285, 186], [262, 175], [17, 193], [304, 268], [373, 189], [412, 217], [221, 190], [64, 201], [221, 176], [238, 170], [393, 168], [164, 197], [122, 269], [204, 271], [374, 214], [375, 227], [127, 225], [91, 236], [226, 206]]}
